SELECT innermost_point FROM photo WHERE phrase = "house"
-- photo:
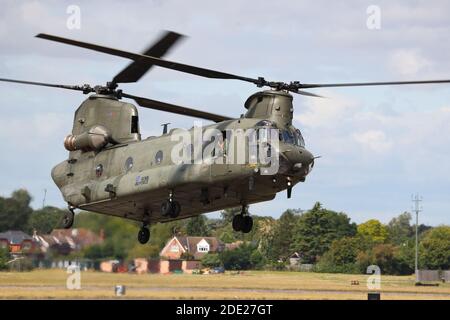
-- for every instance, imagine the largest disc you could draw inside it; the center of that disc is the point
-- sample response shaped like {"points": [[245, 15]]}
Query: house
{"points": [[65, 241], [193, 248], [233, 245], [16, 242], [294, 259], [185, 253]]}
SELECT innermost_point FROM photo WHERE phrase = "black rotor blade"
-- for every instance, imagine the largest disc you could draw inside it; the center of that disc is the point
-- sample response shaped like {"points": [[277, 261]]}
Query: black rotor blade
{"points": [[203, 72], [309, 94], [163, 106], [84, 88], [136, 69], [360, 84]]}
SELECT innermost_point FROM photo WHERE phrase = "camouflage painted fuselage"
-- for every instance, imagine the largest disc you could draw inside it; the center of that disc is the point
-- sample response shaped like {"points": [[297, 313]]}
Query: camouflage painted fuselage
{"points": [[107, 181]]}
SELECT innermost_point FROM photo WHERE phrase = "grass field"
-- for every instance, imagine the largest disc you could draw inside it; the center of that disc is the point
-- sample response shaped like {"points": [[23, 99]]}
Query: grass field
{"points": [[51, 284]]}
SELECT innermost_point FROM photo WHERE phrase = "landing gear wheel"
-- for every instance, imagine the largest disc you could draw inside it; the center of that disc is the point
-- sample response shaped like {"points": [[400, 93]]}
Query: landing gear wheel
{"points": [[67, 220], [175, 209], [247, 224], [237, 223], [166, 208], [143, 235]]}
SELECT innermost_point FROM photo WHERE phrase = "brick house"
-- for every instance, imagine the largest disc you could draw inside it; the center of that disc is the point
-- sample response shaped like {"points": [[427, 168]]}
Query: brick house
{"points": [[65, 241], [17, 242], [185, 253]]}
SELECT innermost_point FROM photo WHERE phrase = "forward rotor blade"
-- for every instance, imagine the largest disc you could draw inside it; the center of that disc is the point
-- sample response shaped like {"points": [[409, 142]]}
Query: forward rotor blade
{"points": [[163, 106], [135, 70], [305, 93], [203, 72], [84, 88], [360, 84]]}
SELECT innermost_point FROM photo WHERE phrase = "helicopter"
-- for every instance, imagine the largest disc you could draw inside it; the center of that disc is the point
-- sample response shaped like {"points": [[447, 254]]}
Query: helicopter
{"points": [[112, 170]]}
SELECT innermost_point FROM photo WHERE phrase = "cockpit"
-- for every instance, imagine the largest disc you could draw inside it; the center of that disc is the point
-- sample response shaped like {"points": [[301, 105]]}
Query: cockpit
{"points": [[292, 137]]}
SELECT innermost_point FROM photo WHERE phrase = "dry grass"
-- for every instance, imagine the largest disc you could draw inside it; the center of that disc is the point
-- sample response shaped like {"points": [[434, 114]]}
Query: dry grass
{"points": [[45, 284]]}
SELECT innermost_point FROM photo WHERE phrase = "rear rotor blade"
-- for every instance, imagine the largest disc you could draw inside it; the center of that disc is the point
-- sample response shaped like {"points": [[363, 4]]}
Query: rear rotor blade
{"points": [[163, 106], [203, 72], [360, 84], [84, 88], [135, 70]]}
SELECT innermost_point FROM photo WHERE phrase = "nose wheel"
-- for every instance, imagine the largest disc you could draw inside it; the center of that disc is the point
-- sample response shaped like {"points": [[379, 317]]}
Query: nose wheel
{"points": [[144, 235], [68, 218], [242, 222]]}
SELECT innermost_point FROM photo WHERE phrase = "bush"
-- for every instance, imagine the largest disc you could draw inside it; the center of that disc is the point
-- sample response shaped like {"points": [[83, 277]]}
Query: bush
{"points": [[388, 257], [241, 258], [211, 260], [4, 258], [257, 260], [21, 264]]}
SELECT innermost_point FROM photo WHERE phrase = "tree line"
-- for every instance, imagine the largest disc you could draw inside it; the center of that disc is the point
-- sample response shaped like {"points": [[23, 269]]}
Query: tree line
{"points": [[324, 238]]}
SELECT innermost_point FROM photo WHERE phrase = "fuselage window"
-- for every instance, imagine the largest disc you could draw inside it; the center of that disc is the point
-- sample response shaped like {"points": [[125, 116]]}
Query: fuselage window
{"points": [[128, 164], [134, 124], [99, 170], [159, 157]]}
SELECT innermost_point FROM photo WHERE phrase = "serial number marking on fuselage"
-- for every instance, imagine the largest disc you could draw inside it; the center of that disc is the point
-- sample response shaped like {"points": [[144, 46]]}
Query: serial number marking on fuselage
{"points": [[141, 180]]}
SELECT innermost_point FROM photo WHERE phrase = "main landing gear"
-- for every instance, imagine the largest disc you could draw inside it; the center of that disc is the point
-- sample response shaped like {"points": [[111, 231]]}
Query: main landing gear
{"points": [[243, 222], [68, 218], [170, 208], [144, 234]]}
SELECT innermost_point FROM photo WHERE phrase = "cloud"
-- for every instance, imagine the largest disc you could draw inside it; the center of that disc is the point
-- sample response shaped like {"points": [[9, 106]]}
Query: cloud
{"points": [[320, 112], [374, 140], [408, 62]]}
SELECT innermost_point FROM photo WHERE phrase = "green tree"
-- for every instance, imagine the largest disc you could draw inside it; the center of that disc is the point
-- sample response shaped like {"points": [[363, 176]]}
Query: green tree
{"points": [[197, 226], [143, 251], [15, 211], [120, 234], [374, 231], [342, 256], [228, 214], [211, 260], [400, 230], [278, 242], [45, 220], [316, 229], [435, 248]]}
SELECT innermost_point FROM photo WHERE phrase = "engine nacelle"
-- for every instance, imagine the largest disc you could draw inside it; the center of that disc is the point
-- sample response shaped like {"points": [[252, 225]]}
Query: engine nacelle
{"points": [[92, 140]]}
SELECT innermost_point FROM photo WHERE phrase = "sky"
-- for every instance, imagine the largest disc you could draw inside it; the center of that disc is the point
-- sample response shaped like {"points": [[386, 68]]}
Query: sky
{"points": [[378, 145]]}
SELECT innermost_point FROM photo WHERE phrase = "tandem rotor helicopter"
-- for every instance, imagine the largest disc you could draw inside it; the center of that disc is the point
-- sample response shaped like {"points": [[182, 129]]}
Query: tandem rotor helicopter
{"points": [[111, 170]]}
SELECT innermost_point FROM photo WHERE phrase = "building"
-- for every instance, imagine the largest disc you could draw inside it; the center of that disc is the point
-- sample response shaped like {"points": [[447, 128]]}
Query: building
{"points": [[190, 248], [17, 242], [65, 241], [185, 253]]}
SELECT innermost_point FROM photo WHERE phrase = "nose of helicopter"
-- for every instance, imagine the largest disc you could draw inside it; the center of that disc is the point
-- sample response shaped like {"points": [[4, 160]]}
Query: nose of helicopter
{"points": [[300, 159]]}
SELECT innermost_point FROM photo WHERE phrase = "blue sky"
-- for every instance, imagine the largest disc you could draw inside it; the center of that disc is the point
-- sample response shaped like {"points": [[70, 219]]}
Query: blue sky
{"points": [[378, 145]]}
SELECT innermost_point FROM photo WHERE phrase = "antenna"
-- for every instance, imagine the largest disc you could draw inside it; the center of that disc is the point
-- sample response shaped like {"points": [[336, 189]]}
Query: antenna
{"points": [[416, 199], [165, 125], [43, 200]]}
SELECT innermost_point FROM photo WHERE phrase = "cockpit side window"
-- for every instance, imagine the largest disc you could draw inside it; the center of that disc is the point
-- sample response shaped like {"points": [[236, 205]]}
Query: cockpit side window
{"points": [[299, 138], [134, 124]]}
